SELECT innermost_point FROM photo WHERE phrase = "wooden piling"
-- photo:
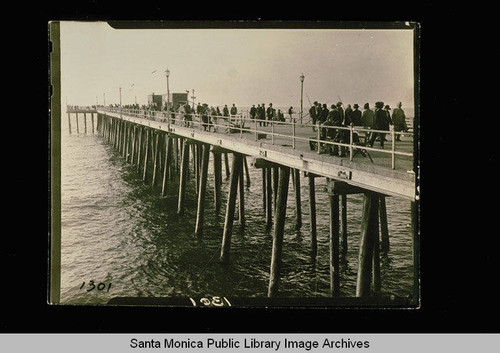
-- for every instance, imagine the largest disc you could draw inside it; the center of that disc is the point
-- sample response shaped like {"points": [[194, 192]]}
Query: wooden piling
{"points": [[226, 163], [202, 190], [155, 159], [369, 226], [241, 194], [264, 189], [384, 228], [343, 221], [69, 123], [85, 121], [334, 244], [92, 115], [139, 147], [133, 138], [279, 227], [247, 172], [275, 175], [183, 179], [230, 207], [269, 199], [312, 214], [217, 180], [298, 206], [146, 156], [77, 128], [166, 165]]}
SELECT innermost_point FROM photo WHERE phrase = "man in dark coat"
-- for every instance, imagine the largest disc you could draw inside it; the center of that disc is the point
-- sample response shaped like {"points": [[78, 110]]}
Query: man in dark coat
{"points": [[356, 116], [253, 112], [324, 114], [380, 122], [399, 120], [312, 114]]}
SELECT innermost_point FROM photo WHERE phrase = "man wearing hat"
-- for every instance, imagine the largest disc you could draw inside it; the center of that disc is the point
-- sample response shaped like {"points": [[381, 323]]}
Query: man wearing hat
{"points": [[356, 116], [380, 122], [399, 120]]}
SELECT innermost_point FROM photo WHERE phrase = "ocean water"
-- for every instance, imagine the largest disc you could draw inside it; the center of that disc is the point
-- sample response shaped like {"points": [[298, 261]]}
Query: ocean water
{"points": [[120, 237]]}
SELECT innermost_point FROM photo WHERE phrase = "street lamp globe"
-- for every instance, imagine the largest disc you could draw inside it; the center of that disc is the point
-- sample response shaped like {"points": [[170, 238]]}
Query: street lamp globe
{"points": [[302, 78]]}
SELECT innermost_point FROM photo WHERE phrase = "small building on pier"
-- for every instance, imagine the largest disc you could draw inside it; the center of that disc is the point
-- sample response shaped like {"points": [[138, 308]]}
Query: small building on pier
{"points": [[160, 100]]}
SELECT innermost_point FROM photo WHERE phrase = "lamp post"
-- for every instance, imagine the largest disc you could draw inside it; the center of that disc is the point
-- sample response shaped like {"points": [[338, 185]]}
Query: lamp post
{"points": [[120, 102], [167, 73], [193, 98], [301, 95]]}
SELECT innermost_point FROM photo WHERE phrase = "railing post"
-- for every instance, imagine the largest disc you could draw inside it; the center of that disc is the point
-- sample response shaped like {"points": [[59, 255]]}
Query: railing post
{"points": [[351, 134], [256, 135], [393, 147], [272, 131], [318, 136], [241, 126]]}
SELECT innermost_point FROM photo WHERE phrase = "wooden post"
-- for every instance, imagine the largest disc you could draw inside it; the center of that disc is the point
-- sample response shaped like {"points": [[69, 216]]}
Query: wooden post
{"points": [[92, 115], [368, 231], [133, 138], [384, 228], [226, 163], [146, 156], [275, 175], [343, 221], [139, 148], [202, 190], [247, 173], [241, 195], [312, 214], [269, 199], [69, 123], [155, 159], [77, 128], [334, 244], [279, 227], [264, 189], [298, 206], [217, 180], [166, 165], [231, 203], [85, 121], [182, 183]]}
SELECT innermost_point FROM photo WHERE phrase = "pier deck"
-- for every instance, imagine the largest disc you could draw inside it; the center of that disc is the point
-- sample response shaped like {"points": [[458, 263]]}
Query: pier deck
{"points": [[390, 173]]}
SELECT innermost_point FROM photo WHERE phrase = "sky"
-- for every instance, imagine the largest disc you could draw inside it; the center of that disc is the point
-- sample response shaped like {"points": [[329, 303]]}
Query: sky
{"points": [[240, 66]]}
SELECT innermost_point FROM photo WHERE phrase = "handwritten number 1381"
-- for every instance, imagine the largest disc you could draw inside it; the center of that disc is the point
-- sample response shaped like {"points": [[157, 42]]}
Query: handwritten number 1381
{"points": [[100, 286]]}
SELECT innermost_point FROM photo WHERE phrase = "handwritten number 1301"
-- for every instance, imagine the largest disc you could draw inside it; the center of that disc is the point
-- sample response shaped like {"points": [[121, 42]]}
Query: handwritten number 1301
{"points": [[100, 286]]}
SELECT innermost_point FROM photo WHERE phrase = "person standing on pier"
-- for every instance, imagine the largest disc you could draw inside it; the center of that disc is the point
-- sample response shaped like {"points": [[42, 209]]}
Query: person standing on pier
{"points": [[261, 113], [270, 113], [234, 110], [290, 113], [367, 119], [313, 114], [324, 114], [348, 114], [356, 116], [253, 112], [225, 110], [399, 120], [381, 122]]}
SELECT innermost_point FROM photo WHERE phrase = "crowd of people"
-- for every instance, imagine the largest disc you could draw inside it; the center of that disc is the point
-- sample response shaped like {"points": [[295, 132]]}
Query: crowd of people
{"points": [[379, 119]]}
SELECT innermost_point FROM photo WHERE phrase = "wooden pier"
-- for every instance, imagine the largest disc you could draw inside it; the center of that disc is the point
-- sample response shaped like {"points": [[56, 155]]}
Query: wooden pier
{"points": [[163, 143]]}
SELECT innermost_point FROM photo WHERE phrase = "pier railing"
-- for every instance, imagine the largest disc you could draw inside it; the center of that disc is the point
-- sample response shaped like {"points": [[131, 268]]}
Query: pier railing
{"points": [[323, 141]]}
